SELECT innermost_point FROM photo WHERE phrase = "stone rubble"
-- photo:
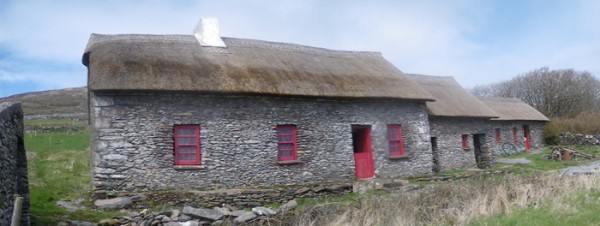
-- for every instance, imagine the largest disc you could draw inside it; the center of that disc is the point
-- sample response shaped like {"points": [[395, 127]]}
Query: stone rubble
{"points": [[190, 216], [579, 139]]}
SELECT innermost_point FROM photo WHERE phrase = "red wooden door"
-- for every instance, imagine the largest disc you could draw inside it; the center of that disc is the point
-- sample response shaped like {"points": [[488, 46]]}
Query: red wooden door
{"points": [[363, 154], [527, 140]]}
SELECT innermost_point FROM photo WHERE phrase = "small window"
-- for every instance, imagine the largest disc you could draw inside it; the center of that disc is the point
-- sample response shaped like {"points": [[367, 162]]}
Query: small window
{"points": [[498, 135], [395, 143], [187, 145], [465, 141], [286, 143], [515, 136]]}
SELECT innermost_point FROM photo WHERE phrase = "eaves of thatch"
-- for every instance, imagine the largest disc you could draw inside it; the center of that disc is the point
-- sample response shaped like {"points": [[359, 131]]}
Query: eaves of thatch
{"points": [[452, 100], [180, 63], [511, 109]]}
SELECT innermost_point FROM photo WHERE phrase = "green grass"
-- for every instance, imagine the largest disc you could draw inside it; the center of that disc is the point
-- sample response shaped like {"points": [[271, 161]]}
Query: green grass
{"points": [[59, 169], [350, 197], [55, 122], [538, 163], [580, 208]]}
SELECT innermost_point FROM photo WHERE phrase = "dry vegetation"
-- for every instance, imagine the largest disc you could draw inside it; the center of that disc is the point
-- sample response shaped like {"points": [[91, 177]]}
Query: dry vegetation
{"points": [[455, 203], [585, 123]]}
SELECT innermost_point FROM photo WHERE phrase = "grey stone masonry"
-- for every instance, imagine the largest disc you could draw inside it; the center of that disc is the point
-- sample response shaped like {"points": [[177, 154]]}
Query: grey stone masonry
{"points": [[448, 132], [133, 144], [536, 136], [13, 163]]}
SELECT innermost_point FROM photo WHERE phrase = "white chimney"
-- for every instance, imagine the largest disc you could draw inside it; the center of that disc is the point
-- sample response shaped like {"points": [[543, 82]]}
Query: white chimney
{"points": [[207, 32]]}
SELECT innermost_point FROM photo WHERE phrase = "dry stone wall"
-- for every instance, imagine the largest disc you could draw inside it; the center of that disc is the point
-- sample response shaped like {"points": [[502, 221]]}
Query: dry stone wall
{"points": [[579, 139], [13, 163], [133, 140]]}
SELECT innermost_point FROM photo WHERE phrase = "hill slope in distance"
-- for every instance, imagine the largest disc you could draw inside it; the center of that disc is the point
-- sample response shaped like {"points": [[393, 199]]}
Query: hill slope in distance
{"points": [[61, 103]]}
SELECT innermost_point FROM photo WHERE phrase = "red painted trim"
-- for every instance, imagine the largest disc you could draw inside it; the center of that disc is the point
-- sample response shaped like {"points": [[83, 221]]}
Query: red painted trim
{"points": [[279, 131], [498, 135], [526, 135], [363, 155], [195, 136], [465, 141], [395, 139]]}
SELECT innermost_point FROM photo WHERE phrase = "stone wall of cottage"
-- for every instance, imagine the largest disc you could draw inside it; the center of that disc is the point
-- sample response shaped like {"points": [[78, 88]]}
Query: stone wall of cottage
{"points": [[536, 130], [132, 140], [450, 153], [13, 163]]}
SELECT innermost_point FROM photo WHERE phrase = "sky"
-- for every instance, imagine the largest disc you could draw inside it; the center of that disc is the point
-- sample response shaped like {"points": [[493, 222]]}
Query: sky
{"points": [[475, 41]]}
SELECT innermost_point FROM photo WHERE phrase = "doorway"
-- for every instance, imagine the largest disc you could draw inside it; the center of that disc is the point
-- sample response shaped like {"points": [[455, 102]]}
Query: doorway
{"points": [[526, 135], [363, 153], [436, 155], [477, 149]]}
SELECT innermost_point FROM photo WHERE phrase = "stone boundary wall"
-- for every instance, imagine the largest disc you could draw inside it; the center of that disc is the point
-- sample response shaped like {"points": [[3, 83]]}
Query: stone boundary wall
{"points": [[132, 140], [579, 139], [240, 198], [13, 163]]}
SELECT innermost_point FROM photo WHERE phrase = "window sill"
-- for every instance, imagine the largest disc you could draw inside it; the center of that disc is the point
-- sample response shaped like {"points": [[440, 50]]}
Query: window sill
{"points": [[466, 149], [399, 157], [188, 167], [288, 162]]}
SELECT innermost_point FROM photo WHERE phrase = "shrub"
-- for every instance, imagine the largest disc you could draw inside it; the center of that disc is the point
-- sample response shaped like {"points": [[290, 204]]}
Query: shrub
{"points": [[552, 132]]}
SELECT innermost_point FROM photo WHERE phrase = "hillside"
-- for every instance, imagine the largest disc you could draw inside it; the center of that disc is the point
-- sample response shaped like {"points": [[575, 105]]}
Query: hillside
{"points": [[61, 103]]}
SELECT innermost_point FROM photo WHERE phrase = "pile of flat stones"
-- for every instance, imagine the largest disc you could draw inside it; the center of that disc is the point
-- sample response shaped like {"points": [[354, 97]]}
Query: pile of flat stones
{"points": [[579, 139], [190, 216]]}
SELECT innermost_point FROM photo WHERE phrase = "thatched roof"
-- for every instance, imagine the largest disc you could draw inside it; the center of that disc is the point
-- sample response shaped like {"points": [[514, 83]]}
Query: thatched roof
{"points": [[452, 100], [179, 63], [511, 109]]}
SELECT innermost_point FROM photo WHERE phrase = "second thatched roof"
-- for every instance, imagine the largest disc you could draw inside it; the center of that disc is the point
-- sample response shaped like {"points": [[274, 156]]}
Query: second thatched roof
{"points": [[452, 100], [179, 63], [512, 109]]}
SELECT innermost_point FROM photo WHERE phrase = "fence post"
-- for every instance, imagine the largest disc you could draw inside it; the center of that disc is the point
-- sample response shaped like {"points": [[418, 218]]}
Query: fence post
{"points": [[16, 217]]}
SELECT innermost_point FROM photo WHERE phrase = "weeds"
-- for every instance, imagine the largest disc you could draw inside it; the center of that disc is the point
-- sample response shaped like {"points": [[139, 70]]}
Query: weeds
{"points": [[454, 203]]}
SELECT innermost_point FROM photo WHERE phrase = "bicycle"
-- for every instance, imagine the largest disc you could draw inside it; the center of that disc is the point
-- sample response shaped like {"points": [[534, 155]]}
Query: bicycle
{"points": [[508, 149]]}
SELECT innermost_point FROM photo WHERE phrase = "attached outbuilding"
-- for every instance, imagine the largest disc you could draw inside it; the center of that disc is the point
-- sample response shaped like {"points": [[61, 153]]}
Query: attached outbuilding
{"points": [[459, 125], [177, 112], [518, 124]]}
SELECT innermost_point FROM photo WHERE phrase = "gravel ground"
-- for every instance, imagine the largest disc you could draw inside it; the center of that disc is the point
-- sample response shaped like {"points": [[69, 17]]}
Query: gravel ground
{"points": [[590, 168]]}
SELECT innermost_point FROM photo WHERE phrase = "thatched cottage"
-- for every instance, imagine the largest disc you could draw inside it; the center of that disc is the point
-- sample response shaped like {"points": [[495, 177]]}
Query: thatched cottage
{"points": [[459, 125], [518, 123], [198, 111]]}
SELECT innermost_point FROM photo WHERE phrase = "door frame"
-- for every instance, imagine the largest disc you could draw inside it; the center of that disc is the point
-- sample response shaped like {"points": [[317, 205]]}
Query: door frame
{"points": [[363, 151], [526, 134]]}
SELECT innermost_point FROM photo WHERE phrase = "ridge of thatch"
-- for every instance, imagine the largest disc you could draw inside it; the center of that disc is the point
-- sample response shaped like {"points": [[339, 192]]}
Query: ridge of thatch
{"points": [[178, 63], [452, 100], [512, 109]]}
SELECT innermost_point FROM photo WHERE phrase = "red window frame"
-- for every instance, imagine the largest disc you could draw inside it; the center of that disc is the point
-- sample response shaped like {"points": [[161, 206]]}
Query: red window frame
{"points": [[498, 135], [187, 144], [465, 141], [286, 143], [515, 134], [395, 143]]}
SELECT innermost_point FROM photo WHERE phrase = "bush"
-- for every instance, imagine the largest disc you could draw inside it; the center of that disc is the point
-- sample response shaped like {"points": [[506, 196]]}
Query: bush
{"points": [[584, 123], [552, 132]]}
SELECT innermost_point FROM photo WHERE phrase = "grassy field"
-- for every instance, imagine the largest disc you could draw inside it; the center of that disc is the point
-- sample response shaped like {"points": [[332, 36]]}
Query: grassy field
{"points": [[59, 170]]}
